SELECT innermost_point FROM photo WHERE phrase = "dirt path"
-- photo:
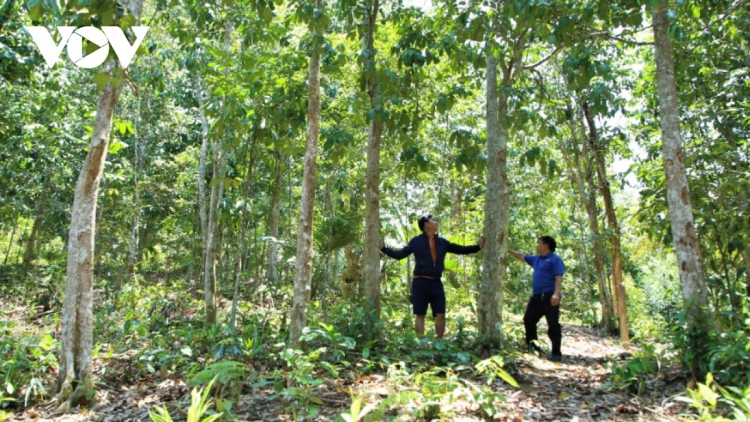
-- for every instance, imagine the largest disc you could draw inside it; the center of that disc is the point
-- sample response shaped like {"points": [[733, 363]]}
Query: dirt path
{"points": [[576, 389]]}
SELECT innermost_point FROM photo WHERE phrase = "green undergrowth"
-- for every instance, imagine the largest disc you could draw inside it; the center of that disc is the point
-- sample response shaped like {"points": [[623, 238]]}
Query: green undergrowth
{"points": [[149, 330]]}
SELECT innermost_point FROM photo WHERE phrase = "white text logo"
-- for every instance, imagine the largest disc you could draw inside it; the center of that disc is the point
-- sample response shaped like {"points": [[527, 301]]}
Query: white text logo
{"points": [[73, 38]]}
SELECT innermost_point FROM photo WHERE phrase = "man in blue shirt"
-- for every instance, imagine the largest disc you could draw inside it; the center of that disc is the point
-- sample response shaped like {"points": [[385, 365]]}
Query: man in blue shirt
{"points": [[429, 251], [546, 291]]}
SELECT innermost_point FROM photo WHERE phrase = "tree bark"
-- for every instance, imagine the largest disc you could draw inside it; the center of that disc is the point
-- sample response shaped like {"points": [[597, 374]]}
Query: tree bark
{"points": [[372, 184], [303, 264], [273, 231], [495, 257], [597, 149], [684, 237]]}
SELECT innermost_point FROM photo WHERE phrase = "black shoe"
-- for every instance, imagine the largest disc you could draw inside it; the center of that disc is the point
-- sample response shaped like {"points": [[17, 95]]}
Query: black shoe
{"points": [[535, 350], [555, 358]]}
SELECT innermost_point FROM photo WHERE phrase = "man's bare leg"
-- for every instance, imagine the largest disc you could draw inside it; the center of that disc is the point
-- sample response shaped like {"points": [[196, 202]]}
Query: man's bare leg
{"points": [[419, 325], [439, 325]]}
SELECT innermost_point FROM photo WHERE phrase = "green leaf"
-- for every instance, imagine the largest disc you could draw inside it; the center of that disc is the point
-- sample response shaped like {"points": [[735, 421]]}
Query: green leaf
{"points": [[127, 21], [507, 377], [101, 80], [36, 11], [116, 146]]}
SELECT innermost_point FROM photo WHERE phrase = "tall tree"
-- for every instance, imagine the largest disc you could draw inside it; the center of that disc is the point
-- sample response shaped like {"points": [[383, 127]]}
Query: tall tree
{"points": [[684, 237], [596, 148], [303, 264], [217, 192], [578, 168], [372, 183], [75, 377], [495, 258]]}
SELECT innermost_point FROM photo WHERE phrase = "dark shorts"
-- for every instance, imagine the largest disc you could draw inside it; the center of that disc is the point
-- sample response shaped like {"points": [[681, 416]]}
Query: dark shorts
{"points": [[427, 292]]}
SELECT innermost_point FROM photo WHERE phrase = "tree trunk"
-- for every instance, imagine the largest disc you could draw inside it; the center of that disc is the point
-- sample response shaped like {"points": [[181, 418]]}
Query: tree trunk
{"points": [[686, 246], [132, 248], [589, 204], [28, 256], [140, 150], [75, 378], [10, 242], [351, 275], [238, 267], [209, 268], [585, 260], [372, 185], [597, 149], [303, 264], [496, 209], [217, 191], [202, 169], [273, 230]]}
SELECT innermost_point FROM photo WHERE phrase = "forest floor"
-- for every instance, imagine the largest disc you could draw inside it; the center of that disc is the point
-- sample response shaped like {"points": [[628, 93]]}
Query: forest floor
{"points": [[578, 388]]}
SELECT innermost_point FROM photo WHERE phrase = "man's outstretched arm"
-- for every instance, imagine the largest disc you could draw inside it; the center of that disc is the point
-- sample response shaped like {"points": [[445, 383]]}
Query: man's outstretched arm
{"points": [[397, 254], [517, 255], [465, 250]]}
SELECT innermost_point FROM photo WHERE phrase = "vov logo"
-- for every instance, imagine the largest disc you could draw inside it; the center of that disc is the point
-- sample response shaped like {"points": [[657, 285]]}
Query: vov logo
{"points": [[73, 38]]}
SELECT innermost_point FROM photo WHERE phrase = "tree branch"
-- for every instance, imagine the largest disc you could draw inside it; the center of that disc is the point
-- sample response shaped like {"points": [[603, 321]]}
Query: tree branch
{"points": [[602, 35]]}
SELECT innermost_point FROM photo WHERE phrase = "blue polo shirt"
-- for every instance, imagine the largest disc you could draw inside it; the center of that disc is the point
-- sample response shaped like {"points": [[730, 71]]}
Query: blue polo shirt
{"points": [[545, 269]]}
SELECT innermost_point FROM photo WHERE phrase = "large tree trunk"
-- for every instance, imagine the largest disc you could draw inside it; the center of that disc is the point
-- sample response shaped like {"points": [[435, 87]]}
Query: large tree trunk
{"points": [[597, 149], [686, 246], [75, 378], [273, 230], [303, 264], [496, 210], [589, 204], [372, 195]]}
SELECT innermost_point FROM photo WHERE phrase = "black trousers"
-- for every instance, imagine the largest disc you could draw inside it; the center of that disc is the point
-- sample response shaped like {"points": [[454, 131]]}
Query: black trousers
{"points": [[541, 305]]}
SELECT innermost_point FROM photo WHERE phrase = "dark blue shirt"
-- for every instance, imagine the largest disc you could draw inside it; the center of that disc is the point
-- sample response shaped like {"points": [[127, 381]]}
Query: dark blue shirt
{"points": [[545, 269], [424, 265]]}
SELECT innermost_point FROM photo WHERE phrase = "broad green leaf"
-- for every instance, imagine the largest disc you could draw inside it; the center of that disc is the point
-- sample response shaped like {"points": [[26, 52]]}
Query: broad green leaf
{"points": [[101, 80]]}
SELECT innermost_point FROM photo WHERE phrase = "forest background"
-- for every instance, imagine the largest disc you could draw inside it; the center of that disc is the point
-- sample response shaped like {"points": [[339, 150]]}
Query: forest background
{"points": [[215, 208]]}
